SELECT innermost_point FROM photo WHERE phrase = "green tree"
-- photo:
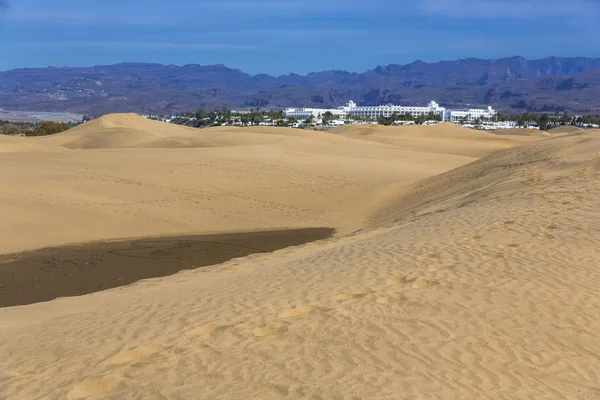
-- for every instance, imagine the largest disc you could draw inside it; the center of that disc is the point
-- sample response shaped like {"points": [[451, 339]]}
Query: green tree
{"points": [[200, 113], [434, 117], [11, 129], [49, 128], [544, 122], [327, 116], [226, 112]]}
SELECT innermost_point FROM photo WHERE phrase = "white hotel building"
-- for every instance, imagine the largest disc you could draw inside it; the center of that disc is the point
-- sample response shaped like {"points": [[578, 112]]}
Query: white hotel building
{"points": [[375, 112]]}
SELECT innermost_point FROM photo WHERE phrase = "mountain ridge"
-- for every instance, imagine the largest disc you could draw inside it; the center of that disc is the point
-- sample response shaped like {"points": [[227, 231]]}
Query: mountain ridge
{"points": [[513, 83]]}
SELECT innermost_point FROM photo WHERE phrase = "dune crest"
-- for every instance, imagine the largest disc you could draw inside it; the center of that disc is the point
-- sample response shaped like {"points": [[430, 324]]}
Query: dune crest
{"points": [[118, 131], [446, 138]]}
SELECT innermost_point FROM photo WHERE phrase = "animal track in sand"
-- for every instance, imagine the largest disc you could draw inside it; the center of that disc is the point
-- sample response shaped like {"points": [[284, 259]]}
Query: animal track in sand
{"points": [[137, 354], [93, 388], [209, 328], [299, 311]]}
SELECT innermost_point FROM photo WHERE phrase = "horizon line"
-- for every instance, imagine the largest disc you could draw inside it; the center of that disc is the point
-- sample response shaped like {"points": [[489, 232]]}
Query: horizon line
{"points": [[416, 61]]}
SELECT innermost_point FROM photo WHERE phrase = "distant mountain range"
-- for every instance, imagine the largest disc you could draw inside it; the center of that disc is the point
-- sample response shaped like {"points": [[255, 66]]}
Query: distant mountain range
{"points": [[510, 84]]}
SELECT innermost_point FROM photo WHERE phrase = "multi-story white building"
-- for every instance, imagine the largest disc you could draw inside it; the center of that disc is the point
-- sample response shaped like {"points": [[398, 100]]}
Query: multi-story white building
{"points": [[470, 114], [316, 113], [374, 112]]}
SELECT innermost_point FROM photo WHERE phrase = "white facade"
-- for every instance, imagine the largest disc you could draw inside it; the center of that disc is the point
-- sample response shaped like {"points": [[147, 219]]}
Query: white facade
{"points": [[316, 113], [470, 115], [374, 112]]}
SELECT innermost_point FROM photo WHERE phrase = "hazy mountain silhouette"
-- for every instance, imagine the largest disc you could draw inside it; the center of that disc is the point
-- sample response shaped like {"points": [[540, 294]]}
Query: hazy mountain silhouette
{"points": [[514, 83]]}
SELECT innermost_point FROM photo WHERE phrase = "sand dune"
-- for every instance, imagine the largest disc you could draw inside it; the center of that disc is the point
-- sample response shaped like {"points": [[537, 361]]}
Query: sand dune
{"points": [[11, 144], [566, 129], [521, 132], [118, 131], [445, 138], [480, 282], [123, 176]]}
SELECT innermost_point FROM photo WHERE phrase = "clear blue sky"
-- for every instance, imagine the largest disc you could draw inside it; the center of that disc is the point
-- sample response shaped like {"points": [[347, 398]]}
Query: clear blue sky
{"points": [[282, 36]]}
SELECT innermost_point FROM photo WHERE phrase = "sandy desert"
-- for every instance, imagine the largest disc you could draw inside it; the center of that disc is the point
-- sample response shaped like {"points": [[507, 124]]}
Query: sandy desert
{"points": [[141, 260]]}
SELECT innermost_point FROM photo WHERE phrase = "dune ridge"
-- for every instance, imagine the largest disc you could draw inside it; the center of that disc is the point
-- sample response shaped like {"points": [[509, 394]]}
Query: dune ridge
{"points": [[477, 279], [445, 138]]}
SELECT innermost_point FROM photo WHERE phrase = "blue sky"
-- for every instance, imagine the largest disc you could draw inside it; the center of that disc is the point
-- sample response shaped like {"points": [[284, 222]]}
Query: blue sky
{"points": [[283, 36]]}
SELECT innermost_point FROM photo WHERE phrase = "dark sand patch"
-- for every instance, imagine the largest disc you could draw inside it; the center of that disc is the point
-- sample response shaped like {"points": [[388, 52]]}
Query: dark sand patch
{"points": [[46, 274]]}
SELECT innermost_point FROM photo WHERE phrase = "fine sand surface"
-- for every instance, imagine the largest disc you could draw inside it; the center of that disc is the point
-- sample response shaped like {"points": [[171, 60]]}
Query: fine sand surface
{"points": [[127, 177], [448, 277], [566, 129], [521, 132], [448, 138]]}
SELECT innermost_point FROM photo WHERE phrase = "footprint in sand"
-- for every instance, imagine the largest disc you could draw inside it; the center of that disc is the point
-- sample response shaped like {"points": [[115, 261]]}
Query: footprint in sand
{"points": [[429, 256], [504, 223], [423, 283], [390, 299], [299, 311], [349, 296], [439, 267], [93, 388], [402, 280], [215, 327], [137, 354], [471, 238], [493, 256], [271, 330]]}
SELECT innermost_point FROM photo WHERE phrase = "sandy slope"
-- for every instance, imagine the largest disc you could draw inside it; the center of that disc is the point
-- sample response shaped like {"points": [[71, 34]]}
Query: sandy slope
{"points": [[566, 129], [481, 282], [521, 132], [124, 176], [448, 138], [13, 144]]}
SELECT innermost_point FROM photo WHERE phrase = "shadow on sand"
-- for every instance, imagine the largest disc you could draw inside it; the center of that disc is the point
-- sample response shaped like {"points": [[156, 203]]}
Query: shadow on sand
{"points": [[46, 274]]}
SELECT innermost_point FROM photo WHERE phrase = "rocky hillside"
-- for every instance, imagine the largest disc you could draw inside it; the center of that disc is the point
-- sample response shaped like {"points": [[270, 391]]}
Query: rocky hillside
{"points": [[510, 84]]}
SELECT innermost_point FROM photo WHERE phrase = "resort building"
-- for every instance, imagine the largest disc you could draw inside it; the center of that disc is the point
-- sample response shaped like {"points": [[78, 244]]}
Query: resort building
{"points": [[470, 114], [374, 112], [316, 113]]}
